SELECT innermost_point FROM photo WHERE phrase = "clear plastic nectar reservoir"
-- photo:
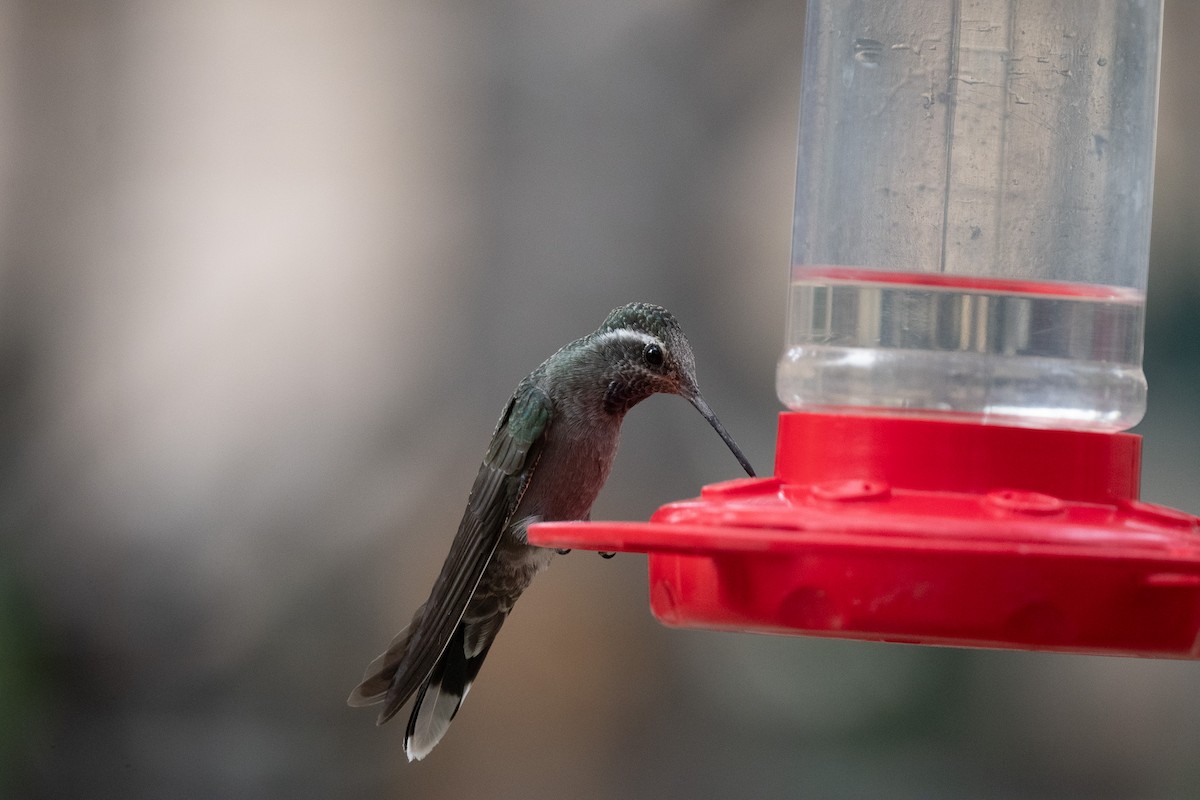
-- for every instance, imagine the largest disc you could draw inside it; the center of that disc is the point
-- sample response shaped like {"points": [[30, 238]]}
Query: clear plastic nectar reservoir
{"points": [[973, 210]]}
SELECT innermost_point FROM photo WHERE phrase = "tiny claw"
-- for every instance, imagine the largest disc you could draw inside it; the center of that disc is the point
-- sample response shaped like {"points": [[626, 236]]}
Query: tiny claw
{"points": [[606, 555], [562, 551]]}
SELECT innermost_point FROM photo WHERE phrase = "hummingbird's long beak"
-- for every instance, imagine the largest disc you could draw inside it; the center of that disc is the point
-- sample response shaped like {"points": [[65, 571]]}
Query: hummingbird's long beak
{"points": [[696, 400]]}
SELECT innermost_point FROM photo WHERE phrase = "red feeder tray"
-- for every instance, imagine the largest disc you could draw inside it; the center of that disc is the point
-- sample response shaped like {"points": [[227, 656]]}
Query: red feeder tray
{"points": [[909, 530]]}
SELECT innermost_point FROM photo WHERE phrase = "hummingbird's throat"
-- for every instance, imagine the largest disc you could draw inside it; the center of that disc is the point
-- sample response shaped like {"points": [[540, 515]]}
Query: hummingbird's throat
{"points": [[620, 396]]}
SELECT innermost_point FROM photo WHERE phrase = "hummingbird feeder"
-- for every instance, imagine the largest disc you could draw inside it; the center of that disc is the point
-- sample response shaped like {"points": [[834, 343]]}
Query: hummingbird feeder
{"points": [[963, 353]]}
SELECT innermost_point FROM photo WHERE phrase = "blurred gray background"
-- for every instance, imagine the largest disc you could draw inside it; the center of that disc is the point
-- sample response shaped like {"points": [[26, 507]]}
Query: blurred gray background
{"points": [[268, 272]]}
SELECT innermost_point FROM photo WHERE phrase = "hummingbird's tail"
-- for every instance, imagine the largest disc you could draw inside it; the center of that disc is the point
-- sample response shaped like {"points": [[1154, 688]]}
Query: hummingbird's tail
{"points": [[440, 694], [440, 697]]}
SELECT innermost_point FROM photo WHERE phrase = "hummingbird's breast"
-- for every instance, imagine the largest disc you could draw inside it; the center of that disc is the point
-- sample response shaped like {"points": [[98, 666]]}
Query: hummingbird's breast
{"points": [[575, 461]]}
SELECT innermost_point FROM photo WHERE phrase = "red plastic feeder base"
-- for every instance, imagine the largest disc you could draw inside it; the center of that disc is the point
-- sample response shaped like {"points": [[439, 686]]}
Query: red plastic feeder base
{"points": [[907, 530]]}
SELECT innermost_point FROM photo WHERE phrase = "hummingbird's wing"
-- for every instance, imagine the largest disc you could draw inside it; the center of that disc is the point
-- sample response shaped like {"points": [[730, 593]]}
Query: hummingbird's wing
{"points": [[502, 478]]}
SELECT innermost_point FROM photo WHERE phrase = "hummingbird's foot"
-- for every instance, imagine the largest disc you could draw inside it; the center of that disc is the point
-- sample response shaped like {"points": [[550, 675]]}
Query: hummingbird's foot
{"points": [[607, 555], [562, 551]]}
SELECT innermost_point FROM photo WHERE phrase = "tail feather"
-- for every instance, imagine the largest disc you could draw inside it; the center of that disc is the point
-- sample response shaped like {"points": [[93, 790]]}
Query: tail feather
{"points": [[380, 672], [430, 720], [442, 695], [437, 702]]}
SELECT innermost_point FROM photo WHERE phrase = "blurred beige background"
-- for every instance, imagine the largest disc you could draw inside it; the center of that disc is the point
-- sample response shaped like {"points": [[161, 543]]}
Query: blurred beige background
{"points": [[268, 272]]}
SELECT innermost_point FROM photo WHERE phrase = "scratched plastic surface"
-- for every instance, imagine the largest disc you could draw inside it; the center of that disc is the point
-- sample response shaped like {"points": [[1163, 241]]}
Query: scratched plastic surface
{"points": [[972, 223]]}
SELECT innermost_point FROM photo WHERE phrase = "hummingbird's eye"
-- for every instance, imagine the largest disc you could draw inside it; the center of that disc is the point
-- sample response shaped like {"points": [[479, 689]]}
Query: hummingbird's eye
{"points": [[653, 355]]}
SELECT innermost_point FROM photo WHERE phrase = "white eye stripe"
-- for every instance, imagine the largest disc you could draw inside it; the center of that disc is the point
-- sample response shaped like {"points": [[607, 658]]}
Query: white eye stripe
{"points": [[627, 335]]}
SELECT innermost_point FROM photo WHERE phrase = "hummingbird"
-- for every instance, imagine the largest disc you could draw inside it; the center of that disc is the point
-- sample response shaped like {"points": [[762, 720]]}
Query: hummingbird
{"points": [[550, 454]]}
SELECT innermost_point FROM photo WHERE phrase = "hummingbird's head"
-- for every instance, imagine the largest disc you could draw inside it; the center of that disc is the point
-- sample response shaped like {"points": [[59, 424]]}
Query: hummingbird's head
{"points": [[646, 352]]}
